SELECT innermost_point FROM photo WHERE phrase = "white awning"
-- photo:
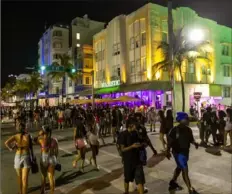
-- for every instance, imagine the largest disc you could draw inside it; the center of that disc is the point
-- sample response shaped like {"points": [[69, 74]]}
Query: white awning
{"points": [[226, 101]]}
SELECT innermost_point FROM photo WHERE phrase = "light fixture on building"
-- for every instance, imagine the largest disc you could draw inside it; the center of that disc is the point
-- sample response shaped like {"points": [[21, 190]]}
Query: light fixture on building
{"points": [[78, 45], [196, 35], [78, 36]]}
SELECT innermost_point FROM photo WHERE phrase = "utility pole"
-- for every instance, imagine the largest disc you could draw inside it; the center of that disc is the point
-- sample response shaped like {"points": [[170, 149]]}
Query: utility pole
{"points": [[170, 40]]}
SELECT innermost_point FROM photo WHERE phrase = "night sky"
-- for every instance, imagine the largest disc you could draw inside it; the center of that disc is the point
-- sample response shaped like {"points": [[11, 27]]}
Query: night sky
{"points": [[23, 22]]}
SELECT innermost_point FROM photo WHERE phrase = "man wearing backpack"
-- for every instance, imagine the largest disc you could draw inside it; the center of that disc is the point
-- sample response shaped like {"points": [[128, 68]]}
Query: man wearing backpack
{"points": [[179, 140]]}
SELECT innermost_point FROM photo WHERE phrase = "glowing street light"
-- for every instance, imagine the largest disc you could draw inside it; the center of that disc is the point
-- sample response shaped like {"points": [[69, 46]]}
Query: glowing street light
{"points": [[196, 35], [42, 68], [73, 70]]}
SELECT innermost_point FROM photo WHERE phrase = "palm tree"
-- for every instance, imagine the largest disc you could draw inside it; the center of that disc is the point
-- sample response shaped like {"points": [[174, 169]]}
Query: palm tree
{"points": [[7, 91], [22, 87], [182, 51], [64, 61], [35, 82]]}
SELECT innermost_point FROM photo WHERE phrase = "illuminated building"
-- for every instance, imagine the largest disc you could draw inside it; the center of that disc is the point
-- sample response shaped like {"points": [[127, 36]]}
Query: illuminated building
{"points": [[53, 43], [126, 51]]}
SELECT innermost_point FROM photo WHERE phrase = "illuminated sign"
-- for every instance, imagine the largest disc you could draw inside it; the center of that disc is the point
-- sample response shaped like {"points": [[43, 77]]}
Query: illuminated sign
{"points": [[112, 83]]}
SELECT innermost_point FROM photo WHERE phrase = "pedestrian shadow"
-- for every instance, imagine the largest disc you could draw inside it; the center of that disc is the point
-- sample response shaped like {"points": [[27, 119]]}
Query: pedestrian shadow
{"points": [[213, 150], [98, 184], [107, 144], [65, 178], [228, 150]]}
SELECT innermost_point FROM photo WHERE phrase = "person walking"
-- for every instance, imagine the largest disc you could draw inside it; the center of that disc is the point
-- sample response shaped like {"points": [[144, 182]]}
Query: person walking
{"points": [[80, 142], [152, 118], [94, 144], [162, 129], [22, 162], [48, 160], [60, 121], [228, 127], [179, 140], [169, 121]]}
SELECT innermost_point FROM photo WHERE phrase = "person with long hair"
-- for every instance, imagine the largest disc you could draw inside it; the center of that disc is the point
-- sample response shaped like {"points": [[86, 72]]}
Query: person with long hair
{"points": [[228, 127], [94, 144], [80, 142], [162, 128], [22, 163], [49, 154]]}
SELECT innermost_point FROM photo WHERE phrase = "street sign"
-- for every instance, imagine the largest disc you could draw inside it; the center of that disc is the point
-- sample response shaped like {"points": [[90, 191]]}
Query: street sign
{"points": [[197, 96], [54, 68]]}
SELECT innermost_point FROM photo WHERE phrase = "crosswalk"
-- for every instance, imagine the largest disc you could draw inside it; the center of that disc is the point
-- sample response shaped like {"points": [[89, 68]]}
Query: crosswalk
{"points": [[157, 178]]}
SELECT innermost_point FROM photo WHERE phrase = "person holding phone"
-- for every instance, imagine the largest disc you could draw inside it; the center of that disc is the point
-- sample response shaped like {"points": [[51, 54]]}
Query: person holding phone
{"points": [[130, 144]]}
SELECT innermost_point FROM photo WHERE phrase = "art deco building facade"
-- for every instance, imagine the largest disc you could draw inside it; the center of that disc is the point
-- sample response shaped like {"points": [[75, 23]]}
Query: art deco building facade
{"points": [[126, 51]]}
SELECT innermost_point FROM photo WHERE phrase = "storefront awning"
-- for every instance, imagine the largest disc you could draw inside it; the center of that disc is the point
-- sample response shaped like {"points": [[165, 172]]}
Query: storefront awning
{"points": [[154, 85], [215, 90], [226, 102]]}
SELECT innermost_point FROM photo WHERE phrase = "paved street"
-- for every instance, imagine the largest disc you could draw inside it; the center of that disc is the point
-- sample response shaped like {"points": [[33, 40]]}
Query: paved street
{"points": [[209, 174]]}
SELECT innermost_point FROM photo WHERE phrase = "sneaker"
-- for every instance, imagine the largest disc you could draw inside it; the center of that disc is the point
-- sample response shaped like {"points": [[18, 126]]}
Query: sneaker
{"points": [[174, 186], [193, 191]]}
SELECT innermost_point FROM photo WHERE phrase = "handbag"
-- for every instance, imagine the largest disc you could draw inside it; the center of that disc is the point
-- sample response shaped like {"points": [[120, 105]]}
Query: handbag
{"points": [[34, 164], [58, 167]]}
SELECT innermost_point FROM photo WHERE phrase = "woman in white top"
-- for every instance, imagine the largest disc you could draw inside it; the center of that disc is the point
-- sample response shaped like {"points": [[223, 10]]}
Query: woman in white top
{"points": [[228, 127]]}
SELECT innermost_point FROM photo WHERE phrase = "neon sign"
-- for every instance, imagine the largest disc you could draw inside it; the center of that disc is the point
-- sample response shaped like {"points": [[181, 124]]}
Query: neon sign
{"points": [[112, 83]]}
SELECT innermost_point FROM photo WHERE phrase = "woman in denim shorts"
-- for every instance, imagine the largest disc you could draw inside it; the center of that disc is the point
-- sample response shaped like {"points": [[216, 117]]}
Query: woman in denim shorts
{"points": [[22, 164]]}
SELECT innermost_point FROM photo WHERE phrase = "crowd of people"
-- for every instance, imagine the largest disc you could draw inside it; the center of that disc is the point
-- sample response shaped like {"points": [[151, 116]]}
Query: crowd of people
{"points": [[128, 127]]}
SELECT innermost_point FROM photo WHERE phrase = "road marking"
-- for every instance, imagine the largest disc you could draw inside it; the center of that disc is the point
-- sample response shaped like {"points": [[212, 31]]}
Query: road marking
{"points": [[110, 154], [88, 161]]}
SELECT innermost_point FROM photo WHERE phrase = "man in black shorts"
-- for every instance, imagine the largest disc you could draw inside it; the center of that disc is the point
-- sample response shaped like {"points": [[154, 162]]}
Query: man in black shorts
{"points": [[133, 167]]}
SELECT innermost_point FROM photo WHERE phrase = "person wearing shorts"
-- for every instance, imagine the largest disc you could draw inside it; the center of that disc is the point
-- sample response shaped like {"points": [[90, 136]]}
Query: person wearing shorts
{"points": [[22, 162], [133, 167], [179, 140], [48, 160]]}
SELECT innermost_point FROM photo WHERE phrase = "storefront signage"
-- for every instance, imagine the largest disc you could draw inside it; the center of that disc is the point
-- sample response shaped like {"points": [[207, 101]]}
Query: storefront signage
{"points": [[197, 95], [112, 83]]}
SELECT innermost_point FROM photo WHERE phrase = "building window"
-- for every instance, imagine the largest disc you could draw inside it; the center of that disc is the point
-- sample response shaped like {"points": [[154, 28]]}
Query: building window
{"points": [[57, 33], [78, 36], [138, 66], [184, 68], [132, 43], [55, 56], [116, 49], [191, 68], [227, 71], [226, 92], [57, 45], [143, 38], [132, 67], [87, 81], [203, 70], [225, 50], [143, 64], [137, 42], [164, 37], [70, 83]]}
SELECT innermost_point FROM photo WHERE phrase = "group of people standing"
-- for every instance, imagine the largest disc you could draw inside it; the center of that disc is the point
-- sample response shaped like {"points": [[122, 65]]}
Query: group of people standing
{"points": [[218, 124]]}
